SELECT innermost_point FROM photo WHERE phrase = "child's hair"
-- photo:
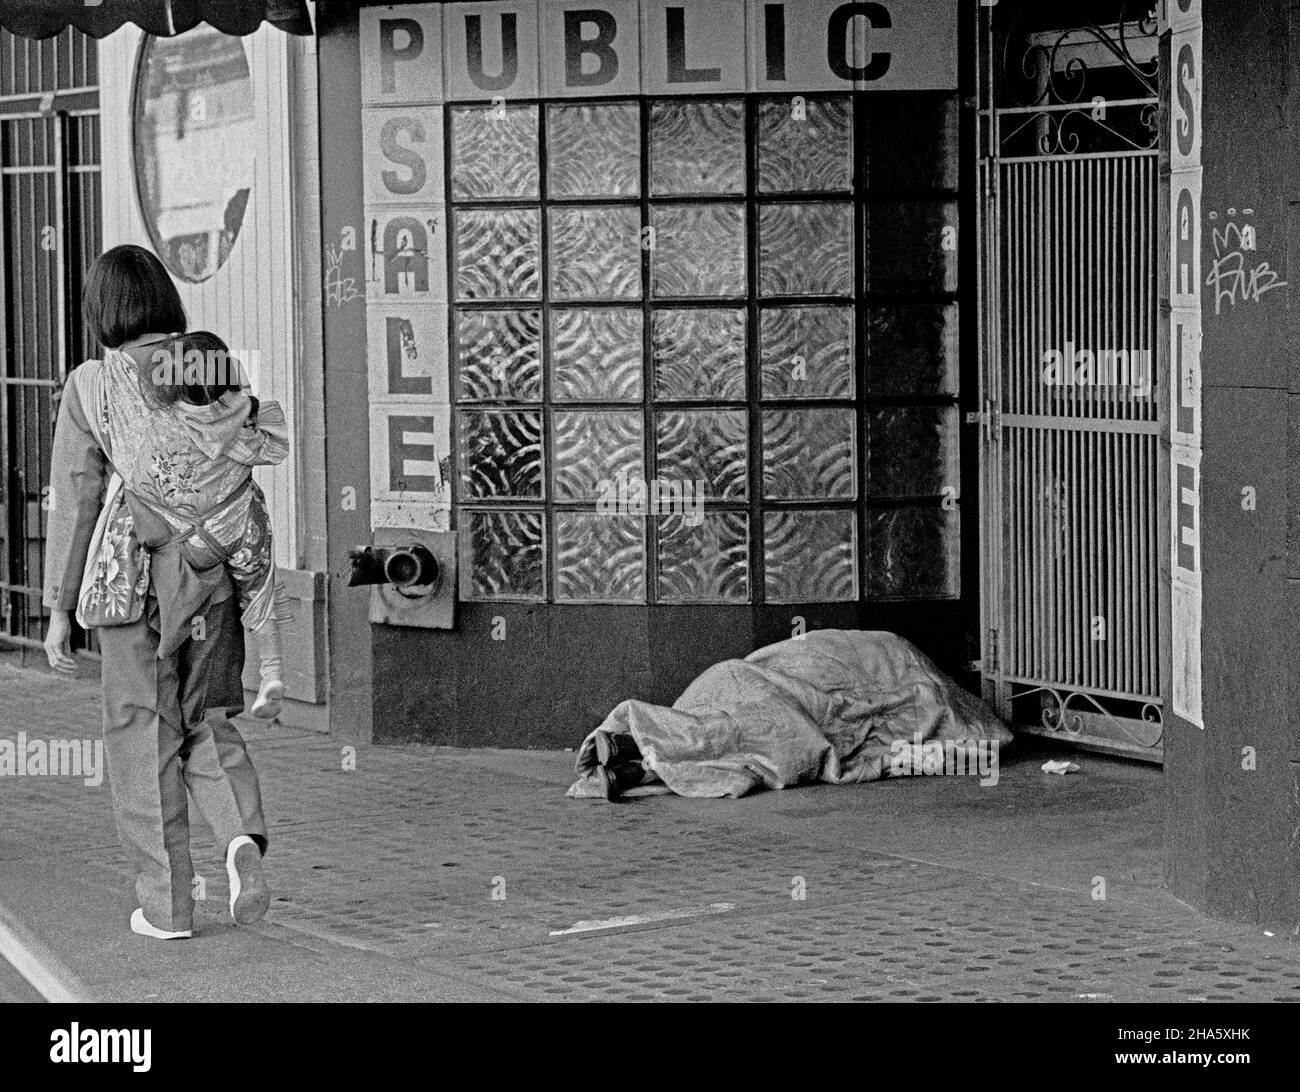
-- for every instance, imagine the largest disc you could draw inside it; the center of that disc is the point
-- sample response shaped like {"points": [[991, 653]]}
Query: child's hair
{"points": [[196, 368], [127, 293]]}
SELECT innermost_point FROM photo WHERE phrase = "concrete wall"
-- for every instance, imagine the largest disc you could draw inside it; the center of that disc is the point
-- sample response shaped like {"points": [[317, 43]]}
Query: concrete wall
{"points": [[1233, 786], [347, 381]]}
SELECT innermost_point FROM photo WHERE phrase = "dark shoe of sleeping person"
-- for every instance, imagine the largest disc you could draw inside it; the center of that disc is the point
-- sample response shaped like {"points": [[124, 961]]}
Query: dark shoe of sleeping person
{"points": [[616, 780], [614, 750]]}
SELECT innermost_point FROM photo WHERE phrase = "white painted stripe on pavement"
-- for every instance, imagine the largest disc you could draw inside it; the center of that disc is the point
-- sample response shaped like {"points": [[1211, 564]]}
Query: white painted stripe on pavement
{"points": [[46, 975], [643, 919]]}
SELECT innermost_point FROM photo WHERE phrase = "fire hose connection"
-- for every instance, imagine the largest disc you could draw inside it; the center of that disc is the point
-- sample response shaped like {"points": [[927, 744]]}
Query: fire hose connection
{"points": [[411, 567]]}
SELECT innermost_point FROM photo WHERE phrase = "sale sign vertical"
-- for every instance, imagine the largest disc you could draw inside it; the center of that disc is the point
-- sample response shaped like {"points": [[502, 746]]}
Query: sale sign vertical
{"points": [[1185, 357], [405, 247]]}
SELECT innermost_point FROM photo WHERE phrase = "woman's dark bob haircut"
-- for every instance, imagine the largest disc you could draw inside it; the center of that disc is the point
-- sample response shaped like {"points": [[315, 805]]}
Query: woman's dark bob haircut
{"points": [[127, 293]]}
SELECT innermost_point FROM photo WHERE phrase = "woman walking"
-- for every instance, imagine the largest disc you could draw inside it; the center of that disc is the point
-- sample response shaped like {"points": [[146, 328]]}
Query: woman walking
{"points": [[170, 636]]}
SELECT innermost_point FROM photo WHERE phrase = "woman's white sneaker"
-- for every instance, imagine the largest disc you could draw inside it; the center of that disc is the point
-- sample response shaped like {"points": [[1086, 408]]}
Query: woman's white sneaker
{"points": [[139, 924], [250, 898]]}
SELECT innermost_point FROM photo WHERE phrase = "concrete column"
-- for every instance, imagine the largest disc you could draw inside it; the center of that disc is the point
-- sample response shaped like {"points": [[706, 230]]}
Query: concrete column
{"points": [[347, 428], [1233, 784]]}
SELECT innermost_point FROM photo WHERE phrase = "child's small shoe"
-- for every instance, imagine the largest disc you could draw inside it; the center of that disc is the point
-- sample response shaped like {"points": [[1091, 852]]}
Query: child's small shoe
{"points": [[266, 706]]}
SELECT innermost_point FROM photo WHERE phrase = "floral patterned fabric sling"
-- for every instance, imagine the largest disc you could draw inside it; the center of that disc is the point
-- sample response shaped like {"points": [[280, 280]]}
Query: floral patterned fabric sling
{"points": [[116, 578], [177, 474]]}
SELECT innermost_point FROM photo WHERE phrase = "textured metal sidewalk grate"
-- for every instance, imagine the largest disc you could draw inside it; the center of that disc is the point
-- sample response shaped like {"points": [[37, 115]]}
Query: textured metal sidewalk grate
{"points": [[915, 947]]}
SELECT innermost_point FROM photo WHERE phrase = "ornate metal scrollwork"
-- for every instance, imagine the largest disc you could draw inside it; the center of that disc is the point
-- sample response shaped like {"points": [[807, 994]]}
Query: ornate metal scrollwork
{"points": [[1058, 716], [1053, 96], [1060, 76]]}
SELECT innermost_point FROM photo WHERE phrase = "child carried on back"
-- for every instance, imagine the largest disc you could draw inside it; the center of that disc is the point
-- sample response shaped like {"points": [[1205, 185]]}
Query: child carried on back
{"points": [[223, 433]]}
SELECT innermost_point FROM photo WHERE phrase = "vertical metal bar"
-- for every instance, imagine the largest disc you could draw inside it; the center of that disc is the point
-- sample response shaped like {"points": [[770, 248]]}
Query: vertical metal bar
{"points": [[1131, 565], [1104, 405], [1126, 601], [59, 125], [1014, 233], [1159, 414], [1056, 245], [1063, 246], [1029, 470], [18, 446], [1004, 292], [1106, 408], [1083, 311], [1126, 598], [7, 601], [1080, 409], [1046, 224], [1040, 396]]}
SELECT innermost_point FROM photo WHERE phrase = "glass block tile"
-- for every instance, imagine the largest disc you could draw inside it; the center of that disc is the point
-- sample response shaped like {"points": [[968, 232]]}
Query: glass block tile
{"points": [[697, 147], [699, 250], [591, 448], [912, 141], [806, 352], [493, 155], [806, 250], [497, 254], [810, 557], [912, 349], [593, 149], [500, 453], [911, 246], [912, 450], [595, 253], [704, 562], [596, 354], [809, 454], [599, 558], [699, 353], [506, 555], [913, 553], [709, 446], [500, 355], [805, 146]]}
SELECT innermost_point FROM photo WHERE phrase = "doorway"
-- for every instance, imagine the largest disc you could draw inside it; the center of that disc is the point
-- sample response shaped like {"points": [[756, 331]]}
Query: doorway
{"points": [[1072, 400]]}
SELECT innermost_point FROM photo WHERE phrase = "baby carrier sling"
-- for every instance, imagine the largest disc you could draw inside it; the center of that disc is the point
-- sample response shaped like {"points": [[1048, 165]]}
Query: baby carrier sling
{"points": [[129, 529]]}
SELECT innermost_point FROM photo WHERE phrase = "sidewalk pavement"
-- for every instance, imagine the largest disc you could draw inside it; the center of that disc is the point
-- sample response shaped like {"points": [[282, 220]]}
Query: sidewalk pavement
{"points": [[431, 873]]}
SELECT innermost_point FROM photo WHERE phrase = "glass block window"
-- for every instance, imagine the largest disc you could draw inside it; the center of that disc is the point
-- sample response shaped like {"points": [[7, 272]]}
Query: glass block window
{"points": [[704, 350]]}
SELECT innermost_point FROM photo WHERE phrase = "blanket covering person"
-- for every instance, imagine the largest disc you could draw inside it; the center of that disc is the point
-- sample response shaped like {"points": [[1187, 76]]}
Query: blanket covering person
{"points": [[827, 706]]}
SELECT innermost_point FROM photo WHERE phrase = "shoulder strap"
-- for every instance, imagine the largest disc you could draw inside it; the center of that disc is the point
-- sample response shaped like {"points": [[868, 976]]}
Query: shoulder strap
{"points": [[195, 523]]}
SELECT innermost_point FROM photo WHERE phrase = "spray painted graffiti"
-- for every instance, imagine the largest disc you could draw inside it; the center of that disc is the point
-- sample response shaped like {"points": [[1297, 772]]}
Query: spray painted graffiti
{"points": [[1232, 277], [338, 288]]}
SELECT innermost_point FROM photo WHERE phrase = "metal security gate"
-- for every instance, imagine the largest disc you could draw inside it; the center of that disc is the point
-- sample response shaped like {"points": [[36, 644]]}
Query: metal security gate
{"points": [[49, 231], [1072, 397]]}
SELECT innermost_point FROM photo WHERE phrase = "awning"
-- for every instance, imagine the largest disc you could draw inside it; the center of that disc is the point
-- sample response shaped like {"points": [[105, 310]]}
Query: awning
{"points": [[41, 18]]}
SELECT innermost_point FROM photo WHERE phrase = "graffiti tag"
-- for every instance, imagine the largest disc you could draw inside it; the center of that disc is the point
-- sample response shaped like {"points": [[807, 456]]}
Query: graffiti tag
{"points": [[338, 288], [1232, 277]]}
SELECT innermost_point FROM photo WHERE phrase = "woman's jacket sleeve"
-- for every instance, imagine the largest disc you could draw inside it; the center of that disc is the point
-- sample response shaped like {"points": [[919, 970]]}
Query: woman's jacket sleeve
{"points": [[78, 475]]}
